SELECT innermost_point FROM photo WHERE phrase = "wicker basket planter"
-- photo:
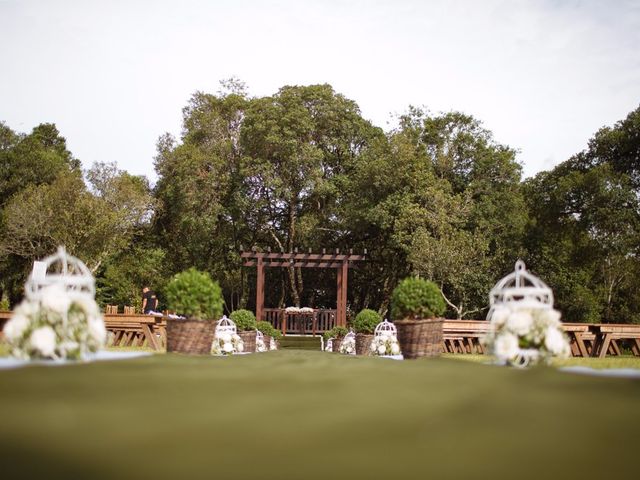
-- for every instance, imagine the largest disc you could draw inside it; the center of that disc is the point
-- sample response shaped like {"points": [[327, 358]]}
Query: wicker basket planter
{"points": [[335, 345], [249, 340], [363, 343], [190, 336], [420, 338]]}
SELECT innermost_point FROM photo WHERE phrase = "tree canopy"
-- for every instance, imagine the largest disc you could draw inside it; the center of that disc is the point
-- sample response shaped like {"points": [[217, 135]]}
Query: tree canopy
{"points": [[436, 196]]}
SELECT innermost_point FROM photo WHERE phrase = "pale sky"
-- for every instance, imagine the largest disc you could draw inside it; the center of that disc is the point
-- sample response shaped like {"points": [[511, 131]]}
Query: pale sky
{"points": [[543, 76]]}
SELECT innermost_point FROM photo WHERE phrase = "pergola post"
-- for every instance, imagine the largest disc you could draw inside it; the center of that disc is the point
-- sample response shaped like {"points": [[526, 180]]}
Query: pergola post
{"points": [[345, 282], [260, 290], [339, 306]]}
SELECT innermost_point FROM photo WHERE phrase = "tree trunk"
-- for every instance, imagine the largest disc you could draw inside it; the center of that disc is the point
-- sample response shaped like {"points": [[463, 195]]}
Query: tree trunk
{"points": [[295, 293]]}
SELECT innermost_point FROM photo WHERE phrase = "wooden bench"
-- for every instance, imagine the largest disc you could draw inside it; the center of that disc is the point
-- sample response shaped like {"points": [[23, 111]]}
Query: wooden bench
{"points": [[136, 330], [608, 335], [463, 336]]}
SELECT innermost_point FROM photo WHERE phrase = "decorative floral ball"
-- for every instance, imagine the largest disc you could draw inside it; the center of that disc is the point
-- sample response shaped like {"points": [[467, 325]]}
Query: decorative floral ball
{"points": [[57, 325]]}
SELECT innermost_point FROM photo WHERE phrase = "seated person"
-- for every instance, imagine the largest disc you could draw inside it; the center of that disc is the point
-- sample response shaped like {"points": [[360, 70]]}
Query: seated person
{"points": [[149, 300]]}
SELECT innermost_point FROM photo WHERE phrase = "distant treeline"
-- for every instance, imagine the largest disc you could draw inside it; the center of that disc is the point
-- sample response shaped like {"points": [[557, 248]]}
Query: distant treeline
{"points": [[436, 196]]}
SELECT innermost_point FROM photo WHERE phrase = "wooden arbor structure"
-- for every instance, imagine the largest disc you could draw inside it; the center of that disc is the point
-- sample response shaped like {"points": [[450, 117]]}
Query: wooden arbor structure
{"points": [[340, 262]]}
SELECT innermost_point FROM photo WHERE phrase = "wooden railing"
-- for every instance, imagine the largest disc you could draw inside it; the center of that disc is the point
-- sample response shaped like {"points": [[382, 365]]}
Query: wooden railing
{"points": [[319, 321]]}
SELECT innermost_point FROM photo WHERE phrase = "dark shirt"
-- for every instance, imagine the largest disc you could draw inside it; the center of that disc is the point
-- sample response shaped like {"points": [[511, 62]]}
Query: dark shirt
{"points": [[152, 301]]}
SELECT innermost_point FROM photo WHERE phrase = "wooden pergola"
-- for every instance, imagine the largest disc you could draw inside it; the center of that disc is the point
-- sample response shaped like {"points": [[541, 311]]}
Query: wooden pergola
{"points": [[340, 262]]}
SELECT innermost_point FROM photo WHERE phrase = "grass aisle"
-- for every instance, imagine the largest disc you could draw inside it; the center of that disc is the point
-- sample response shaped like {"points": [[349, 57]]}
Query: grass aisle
{"points": [[305, 415]]}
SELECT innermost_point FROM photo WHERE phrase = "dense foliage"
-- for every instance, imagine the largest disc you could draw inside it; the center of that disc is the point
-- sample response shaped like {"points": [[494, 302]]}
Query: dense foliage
{"points": [[436, 196], [416, 298], [366, 321], [245, 320], [194, 294]]}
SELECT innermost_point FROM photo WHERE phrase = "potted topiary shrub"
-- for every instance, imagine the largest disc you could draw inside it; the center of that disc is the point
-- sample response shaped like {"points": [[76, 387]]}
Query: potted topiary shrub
{"points": [[416, 306], [364, 324], [337, 333], [193, 294], [269, 333], [246, 323]]}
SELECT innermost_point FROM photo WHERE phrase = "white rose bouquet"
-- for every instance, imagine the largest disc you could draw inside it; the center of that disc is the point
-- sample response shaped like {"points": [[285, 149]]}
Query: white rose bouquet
{"points": [[55, 326], [227, 343], [260, 346], [385, 344], [348, 345], [522, 336]]}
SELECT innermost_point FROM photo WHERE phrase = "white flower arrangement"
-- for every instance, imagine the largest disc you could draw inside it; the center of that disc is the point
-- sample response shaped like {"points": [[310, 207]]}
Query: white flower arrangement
{"points": [[348, 345], [521, 336], [297, 310], [227, 343], [328, 347], [56, 325], [260, 346], [273, 344], [385, 344]]}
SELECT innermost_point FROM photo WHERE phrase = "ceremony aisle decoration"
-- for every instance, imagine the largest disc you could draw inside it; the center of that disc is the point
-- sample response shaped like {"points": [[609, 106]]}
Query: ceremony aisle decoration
{"points": [[59, 318], [348, 344], [525, 328], [270, 335], [334, 338], [364, 325], [226, 340], [193, 294], [260, 345], [385, 341], [246, 323], [416, 307]]}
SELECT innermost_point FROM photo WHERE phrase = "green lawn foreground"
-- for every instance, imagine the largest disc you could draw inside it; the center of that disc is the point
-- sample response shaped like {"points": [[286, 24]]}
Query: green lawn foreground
{"points": [[299, 415]]}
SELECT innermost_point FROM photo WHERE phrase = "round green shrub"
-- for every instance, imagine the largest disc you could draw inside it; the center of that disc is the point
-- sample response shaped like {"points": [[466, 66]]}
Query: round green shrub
{"points": [[338, 332], [245, 320], [194, 294], [417, 298], [366, 321], [265, 327]]}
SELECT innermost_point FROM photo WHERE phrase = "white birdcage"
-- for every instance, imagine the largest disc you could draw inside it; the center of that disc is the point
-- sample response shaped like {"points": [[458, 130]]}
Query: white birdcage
{"points": [[522, 289], [64, 270], [385, 328], [225, 325], [351, 336], [328, 347]]}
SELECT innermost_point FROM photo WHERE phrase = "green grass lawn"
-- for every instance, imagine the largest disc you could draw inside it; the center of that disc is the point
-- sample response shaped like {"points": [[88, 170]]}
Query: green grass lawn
{"points": [[298, 415]]}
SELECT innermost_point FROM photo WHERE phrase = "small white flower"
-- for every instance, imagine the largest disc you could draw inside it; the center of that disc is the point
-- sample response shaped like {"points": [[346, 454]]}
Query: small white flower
{"points": [[225, 337], [55, 298], [499, 316], [27, 308], [43, 339], [382, 350], [88, 305], [520, 322], [395, 349], [15, 327], [227, 347], [240, 347], [555, 342], [97, 330], [505, 346]]}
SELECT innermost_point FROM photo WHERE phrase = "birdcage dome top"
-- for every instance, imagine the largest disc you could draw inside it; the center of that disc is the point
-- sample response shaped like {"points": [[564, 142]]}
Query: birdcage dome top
{"points": [[350, 336], [225, 324], [522, 287], [385, 328], [63, 270]]}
